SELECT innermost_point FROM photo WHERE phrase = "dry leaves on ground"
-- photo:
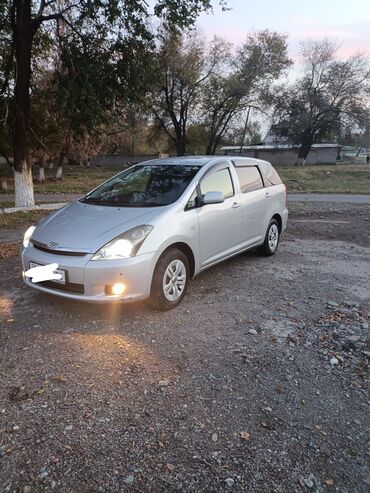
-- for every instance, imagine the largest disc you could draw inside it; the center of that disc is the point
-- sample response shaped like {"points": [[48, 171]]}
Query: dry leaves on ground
{"points": [[9, 249]]}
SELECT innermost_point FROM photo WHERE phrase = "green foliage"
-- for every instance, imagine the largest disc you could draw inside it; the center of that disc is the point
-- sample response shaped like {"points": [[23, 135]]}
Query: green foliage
{"points": [[249, 74], [328, 101], [183, 64], [181, 13], [90, 60]]}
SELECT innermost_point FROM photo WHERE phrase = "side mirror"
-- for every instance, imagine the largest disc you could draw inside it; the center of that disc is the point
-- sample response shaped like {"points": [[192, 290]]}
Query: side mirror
{"points": [[213, 198]]}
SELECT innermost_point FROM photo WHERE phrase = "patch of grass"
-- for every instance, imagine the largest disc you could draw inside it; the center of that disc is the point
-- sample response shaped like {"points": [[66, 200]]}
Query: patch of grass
{"points": [[16, 219], [340, 178], [76, 179]]}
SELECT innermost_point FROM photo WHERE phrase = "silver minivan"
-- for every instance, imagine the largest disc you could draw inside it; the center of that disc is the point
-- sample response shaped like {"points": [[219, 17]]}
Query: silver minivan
{"points": [[144, 233]]}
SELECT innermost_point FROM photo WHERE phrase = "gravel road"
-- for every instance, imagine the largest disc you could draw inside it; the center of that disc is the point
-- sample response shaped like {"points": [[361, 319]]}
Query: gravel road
{"points": [[257, 382], [329, 197]]}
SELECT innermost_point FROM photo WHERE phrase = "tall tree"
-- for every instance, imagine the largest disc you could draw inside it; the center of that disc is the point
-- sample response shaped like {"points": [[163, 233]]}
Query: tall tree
{"points": [[183, 64], [329, 99], [250, 72], [114, 24]]}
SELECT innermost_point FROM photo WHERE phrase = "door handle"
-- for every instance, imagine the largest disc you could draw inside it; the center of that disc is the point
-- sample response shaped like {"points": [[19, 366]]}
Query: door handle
{"points": [[235, 205], [267, 195]]}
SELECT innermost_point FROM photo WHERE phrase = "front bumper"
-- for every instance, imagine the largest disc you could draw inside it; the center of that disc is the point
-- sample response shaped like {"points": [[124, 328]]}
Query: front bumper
{"points": [[86, 279]]}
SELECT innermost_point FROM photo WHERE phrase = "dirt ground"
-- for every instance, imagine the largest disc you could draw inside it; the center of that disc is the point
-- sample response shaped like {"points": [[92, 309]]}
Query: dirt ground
{"points": [[257, 382]]}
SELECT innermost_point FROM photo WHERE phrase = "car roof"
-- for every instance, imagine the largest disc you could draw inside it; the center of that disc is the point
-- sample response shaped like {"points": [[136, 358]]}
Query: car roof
{"points": [[184, 160], [203, 160]]}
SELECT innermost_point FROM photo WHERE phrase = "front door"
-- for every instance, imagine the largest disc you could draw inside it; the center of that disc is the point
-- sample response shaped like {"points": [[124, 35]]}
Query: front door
{"points": [[219, 224]]}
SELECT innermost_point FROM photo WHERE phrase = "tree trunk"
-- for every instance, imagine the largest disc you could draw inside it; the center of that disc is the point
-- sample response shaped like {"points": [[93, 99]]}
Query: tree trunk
{"points": [[245, 130], [59, 173], [209, 149], [303, 152], [22, 32], [41, 178], [23, 187], [181, 146]]}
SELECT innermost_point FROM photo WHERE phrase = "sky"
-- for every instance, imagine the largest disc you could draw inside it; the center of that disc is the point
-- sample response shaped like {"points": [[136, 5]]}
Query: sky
{"points": [[344, 22]]}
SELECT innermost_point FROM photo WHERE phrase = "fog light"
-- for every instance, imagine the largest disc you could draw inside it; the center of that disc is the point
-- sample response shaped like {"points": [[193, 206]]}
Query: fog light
{"points": [[117, 288]]}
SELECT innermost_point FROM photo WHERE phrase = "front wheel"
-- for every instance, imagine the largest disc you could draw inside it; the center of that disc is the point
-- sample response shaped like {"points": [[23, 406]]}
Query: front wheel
{"points": [[272, 238], [170, 280]]}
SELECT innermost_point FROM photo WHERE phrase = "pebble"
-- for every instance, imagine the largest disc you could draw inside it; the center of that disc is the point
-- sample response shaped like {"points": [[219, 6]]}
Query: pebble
{"points": [[43, 475], [163, 383], [27, 489], [334, 361], [229, 482], [130, 479], [310, 481], [354, 338], [252, 331], [214, 437], [68, 428]]}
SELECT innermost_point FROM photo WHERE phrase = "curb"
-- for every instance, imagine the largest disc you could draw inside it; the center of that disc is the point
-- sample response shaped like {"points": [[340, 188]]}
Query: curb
{"points": [[40, 207]]}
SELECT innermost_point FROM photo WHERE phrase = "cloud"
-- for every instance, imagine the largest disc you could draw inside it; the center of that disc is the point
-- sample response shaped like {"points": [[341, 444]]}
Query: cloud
{"points": [[351, 37]]}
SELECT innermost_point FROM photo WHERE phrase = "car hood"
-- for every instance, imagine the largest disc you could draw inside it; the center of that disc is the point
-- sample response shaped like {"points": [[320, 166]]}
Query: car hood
{"points": [[86, 227]]}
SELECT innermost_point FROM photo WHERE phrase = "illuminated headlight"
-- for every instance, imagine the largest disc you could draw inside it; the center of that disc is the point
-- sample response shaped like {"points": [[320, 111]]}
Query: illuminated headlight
{"points": [[27, 236], [125, 245]]}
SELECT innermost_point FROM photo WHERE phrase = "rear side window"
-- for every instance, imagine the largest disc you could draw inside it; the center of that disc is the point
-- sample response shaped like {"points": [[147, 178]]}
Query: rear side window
{"points": [[218, 181], [270, 174], [249, 178]]}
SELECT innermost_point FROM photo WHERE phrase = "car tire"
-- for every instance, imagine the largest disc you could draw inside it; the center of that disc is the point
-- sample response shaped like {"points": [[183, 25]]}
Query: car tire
{"points": [[170, 280], [270, 245]]}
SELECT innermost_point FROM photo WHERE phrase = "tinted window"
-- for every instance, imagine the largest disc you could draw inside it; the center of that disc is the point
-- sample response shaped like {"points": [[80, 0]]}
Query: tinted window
{"points": [[144, 186], [249, 179], [218, 181], [270, 174]]}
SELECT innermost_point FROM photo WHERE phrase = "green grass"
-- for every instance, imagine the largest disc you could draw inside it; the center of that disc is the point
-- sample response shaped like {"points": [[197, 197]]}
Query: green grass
{"points": [[340, 178], [76, 180]]}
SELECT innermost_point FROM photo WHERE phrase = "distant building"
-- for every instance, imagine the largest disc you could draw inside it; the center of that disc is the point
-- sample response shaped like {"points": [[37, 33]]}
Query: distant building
{"points": [[278, 150], [286, 154]]}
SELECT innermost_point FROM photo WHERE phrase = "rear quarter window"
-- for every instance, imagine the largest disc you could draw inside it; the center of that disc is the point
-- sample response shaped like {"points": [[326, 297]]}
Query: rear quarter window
{"points": [[249, 178], [270, 175]]}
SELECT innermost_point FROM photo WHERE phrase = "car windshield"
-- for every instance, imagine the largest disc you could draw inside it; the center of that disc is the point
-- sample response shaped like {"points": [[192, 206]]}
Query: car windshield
{"points": [[144, 186]]}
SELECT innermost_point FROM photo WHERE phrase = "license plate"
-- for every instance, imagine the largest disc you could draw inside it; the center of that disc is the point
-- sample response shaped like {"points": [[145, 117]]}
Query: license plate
{"points": [[58, 271]]}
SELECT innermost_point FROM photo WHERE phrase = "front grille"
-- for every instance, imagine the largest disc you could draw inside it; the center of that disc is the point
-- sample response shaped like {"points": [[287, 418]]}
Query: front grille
{"points": [[58, 252], [69, 287]]}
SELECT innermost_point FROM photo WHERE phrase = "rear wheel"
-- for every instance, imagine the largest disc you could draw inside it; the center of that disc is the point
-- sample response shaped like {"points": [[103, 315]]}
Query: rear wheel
{"points": [[272, 238], [170, 280]]}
